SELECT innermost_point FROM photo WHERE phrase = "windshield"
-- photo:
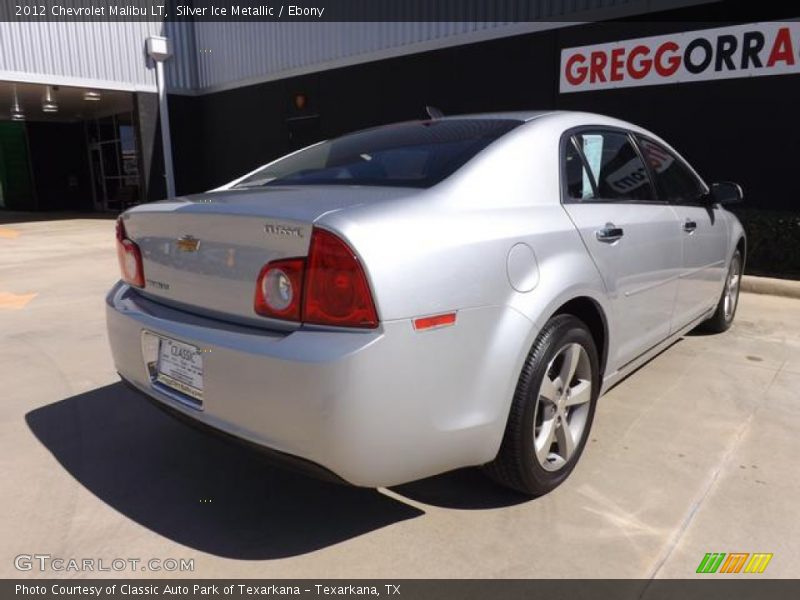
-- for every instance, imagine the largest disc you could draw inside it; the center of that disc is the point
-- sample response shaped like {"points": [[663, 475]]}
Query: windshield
{"points": [[415, 154]]}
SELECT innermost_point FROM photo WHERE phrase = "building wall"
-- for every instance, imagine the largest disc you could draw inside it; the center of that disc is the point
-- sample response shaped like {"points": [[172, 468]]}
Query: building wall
{"points": [[739, 129], [244, 127], [234, 84], [105, 55], [213, 56], [232, 54], [210, 56]]}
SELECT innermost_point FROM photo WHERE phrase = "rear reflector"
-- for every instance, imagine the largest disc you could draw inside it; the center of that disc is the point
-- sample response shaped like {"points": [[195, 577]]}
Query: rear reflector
{"points": [[435, 321]]}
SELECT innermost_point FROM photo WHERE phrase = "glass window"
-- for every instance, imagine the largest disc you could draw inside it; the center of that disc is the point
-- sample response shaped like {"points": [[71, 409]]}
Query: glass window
{"points": [[579, 184], [416, 154], [127, 139], [676, 183], [618, 171]]}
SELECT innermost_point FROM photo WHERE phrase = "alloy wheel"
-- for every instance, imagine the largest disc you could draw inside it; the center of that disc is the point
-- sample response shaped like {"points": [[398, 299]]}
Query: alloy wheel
{"points": [[562, 407], [731, 290]]}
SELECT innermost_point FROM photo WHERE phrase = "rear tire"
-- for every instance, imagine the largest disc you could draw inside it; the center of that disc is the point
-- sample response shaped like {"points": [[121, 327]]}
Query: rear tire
{"points": [[722, 319], [552, 410]]}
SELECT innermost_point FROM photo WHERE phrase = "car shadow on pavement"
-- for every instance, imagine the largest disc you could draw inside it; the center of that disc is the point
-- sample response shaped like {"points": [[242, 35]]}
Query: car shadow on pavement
{"points": [[697, 332], [198, 490], [466, 489]]}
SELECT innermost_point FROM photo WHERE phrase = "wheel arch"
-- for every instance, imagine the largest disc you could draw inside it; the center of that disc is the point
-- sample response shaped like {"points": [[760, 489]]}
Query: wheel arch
{"points": [[741, 246], [589, 311]]}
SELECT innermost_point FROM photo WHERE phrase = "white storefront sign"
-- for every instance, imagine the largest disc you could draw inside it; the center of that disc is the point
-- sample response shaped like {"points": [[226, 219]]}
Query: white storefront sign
{"points": [[751, 50]]}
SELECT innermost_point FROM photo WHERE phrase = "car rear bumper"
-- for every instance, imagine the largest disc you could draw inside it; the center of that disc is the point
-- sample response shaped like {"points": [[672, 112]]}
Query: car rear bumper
{"points": [[282, 459], [375, 408]]}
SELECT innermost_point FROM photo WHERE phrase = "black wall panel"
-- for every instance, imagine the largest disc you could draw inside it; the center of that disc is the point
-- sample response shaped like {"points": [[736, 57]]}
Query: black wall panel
{"points": [[148, 139]]}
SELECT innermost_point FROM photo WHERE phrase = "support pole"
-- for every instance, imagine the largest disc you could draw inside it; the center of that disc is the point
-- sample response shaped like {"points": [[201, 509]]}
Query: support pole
{"points": [[158, 49]]}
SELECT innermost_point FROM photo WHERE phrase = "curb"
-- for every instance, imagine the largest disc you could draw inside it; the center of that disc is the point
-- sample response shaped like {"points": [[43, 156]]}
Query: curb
{"points": [[771, 286]]}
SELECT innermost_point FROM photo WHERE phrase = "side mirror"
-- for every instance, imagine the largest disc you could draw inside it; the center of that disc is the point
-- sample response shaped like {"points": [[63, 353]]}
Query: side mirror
{"points": [[726, 192]]}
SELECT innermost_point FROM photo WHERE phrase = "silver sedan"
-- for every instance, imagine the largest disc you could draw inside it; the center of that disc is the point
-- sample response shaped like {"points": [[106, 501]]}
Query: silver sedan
{"points": [[429, 295]]}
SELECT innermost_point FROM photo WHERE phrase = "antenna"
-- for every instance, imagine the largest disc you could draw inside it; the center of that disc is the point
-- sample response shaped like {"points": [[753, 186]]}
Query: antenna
{"points": [[433, 112]]}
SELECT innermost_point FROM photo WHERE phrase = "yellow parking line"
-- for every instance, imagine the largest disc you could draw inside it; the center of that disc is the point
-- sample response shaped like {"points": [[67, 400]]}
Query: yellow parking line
{"points": [[15, 301], [7, 233]]}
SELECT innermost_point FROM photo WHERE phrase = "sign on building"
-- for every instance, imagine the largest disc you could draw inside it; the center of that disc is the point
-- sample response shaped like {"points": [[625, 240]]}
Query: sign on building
{"points": [[751, 50]]}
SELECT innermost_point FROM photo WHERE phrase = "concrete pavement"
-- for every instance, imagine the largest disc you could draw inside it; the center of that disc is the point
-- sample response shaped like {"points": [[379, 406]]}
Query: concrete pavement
{"points": [[694, 453]]}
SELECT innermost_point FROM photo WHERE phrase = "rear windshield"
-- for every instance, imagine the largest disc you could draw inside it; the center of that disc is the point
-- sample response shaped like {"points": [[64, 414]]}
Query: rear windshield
{"points": [[415, 154]]}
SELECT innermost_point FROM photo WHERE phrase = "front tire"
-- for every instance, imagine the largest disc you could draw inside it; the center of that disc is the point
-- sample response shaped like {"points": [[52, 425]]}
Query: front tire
{"points": [[722, 319], [552, 410]]}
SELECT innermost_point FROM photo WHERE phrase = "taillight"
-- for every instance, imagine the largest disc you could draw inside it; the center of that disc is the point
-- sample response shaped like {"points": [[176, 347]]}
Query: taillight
{"points": [[278, 290], [328, 288], [336, 288], [130, 258]]}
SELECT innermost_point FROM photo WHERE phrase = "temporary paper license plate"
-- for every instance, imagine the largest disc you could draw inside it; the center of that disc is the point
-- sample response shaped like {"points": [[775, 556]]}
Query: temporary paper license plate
{"points": [[180, 367]]}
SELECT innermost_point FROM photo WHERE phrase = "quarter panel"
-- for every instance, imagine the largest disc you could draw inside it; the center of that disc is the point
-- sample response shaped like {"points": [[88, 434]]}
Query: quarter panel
{"points": [[436, 258]]}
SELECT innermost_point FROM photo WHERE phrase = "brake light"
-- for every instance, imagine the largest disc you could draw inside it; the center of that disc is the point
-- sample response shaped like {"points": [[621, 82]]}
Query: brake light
{"points": [[278, 291], [328, 288], [336, 288], [130, 258]]}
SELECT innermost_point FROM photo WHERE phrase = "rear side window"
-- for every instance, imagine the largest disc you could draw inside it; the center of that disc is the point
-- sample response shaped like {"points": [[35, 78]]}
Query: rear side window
{"points": [[675, 182], [579, 182], [415, 154], [615, 169]]}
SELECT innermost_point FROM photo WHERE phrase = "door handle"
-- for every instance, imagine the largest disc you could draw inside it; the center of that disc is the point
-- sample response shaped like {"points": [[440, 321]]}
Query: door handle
{"points": [[689, 226], [609, 234]]}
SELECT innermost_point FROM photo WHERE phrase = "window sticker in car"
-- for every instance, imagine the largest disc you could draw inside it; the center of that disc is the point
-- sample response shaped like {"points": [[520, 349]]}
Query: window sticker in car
{"points": [[593, 152], [630, 176], [658, 158]]}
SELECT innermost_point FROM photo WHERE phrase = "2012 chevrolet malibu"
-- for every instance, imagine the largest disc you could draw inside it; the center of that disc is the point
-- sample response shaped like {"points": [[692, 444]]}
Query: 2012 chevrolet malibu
{"points": [[424, 296]]}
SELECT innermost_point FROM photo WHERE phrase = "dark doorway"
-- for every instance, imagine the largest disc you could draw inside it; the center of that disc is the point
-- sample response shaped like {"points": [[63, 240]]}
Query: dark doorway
{"points": [[58, 164], [67, 148], [16, 188]]}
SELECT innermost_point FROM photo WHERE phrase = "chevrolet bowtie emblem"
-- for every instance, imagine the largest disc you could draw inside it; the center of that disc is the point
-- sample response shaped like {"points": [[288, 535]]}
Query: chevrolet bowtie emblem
{"points": [[188, 243]]}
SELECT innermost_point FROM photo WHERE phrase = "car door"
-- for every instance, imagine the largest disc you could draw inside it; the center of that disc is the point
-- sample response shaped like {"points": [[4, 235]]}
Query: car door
{"points": [[633, 238], [703, 229]]}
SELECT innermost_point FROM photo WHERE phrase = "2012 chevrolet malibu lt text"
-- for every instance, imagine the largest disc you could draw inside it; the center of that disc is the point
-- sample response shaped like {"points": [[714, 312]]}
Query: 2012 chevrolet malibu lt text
{"points": [[419, 297]]}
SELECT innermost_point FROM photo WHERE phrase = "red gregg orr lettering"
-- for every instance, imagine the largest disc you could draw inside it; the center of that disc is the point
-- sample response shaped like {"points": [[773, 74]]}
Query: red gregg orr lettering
{"points": [[725, 52]]}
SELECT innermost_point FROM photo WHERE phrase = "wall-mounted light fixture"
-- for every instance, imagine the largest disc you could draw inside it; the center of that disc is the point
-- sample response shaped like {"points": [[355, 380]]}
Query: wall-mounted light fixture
{"points": [[17, 114], [49, 104], [91, 96]]}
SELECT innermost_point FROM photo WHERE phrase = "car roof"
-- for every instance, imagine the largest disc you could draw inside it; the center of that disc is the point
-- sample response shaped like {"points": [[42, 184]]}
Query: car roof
{"points": [[565, 118], [532, 115], [519, 115]]}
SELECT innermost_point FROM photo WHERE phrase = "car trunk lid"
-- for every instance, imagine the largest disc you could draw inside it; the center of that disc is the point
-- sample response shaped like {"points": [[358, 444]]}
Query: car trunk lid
{"points": [[203, 253]]}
